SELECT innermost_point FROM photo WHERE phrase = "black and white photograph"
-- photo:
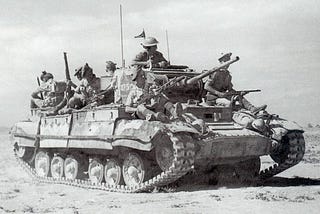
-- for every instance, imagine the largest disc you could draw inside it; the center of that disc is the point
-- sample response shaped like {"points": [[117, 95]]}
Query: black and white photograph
{"points": [[181, 106]]}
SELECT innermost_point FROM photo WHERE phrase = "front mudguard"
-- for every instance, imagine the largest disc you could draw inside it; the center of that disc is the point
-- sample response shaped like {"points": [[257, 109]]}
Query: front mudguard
{"points": [[141, 134], [179, 126], [147, 130], [280, 127]]}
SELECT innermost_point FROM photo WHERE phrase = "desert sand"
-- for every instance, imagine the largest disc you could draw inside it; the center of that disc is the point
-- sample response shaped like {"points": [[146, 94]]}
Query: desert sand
{"points": [[296, 190]]}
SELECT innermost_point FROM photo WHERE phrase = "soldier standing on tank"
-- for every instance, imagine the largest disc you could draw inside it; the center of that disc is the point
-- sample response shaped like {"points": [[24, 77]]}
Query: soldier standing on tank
{"points": [[219, 85], [150, 55]]}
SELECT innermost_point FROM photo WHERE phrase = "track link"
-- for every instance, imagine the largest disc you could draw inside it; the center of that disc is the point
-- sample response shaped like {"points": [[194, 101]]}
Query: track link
{"points": [[296, 149], [183, 162]]}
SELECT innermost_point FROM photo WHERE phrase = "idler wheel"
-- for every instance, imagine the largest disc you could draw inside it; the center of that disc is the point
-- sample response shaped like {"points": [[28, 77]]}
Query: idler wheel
{"points": [[133, 170], [42, 163], [23, 152], [112, 172], [164, 154], [71, 167], [95, 171], [57, 164]]}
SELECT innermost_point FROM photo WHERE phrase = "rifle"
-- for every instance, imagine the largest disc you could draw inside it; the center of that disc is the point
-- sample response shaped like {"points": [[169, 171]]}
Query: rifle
{"points": [[67, 72], [159, 90], [100, 95], [41, 95], [242, 92]]}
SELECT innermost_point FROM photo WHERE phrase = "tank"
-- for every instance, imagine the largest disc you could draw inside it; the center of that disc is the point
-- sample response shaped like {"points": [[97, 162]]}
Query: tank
{"points": [[104, 147]]}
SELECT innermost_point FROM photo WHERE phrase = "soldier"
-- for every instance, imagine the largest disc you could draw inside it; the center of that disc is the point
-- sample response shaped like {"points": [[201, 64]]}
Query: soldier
{"points": [[219, 85], [150, 55], [48, 94], [110, 68], [88, 88], [135, 103]]}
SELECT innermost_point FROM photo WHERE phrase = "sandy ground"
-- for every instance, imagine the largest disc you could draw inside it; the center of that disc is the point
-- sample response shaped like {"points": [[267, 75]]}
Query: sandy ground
{"points": [[296, 190]]}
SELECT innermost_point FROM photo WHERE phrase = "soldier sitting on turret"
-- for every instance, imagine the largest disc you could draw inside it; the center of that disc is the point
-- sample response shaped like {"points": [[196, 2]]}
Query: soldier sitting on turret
{"points": [[88, 88], [219, 85], [144, 109], [150, 56], [48, 94]]}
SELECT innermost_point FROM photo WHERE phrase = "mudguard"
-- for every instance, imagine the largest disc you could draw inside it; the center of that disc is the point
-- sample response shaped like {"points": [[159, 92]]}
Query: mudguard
{"points": [[280, 128], [142, 132], [179, 126], [23, 133]]}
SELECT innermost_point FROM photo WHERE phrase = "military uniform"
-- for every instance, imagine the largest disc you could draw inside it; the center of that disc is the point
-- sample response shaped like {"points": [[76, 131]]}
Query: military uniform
{"points": [[156, 58], [85, 91], [52, 93], [220, 81]]}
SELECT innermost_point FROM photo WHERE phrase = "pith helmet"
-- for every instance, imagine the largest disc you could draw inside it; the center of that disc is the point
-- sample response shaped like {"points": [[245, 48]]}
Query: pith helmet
{"points": [[149, 41]]}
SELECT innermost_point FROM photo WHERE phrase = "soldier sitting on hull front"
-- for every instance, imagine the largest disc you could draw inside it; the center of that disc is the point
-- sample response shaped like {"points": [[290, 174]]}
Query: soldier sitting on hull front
{"points": [[49, 93], [219, 85], [149, 109], [150, 55], [88, 88]]}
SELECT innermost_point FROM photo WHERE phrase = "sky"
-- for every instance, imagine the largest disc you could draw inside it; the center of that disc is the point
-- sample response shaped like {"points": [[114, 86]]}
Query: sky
{"points": [[278, 43]]}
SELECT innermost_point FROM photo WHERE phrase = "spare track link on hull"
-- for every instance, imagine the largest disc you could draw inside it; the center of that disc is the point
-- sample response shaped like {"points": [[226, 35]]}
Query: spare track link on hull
{"points": [[295, 155], [182, 163]]}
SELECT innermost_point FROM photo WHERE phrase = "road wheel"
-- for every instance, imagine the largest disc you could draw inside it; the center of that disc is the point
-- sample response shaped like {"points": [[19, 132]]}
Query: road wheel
{"points": [[112, 172], [133, 170], [42, 163], [95, 170], [72, 167], [57, 164]]}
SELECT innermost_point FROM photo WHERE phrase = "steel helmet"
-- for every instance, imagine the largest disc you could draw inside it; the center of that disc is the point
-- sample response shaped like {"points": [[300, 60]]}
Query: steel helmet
{"points": [[149, 41]]}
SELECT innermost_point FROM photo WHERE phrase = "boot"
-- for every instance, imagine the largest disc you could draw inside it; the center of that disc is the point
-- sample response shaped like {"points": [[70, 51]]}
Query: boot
{"points": [[174, 109], [254, 110]]}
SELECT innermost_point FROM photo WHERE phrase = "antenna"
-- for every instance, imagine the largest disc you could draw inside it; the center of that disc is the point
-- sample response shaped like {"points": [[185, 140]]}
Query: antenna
{"points": [[122, 60], [167, 45]]}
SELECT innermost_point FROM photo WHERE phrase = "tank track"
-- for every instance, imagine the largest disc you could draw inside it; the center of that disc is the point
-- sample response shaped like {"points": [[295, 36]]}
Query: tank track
{"points": [[183, 162], [296, 152]]}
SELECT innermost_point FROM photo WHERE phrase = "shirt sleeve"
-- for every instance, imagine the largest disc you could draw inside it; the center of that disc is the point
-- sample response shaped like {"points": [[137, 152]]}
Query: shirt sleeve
{"points": [[140, 57], [161, 57], [230, 87], [129, 99]]}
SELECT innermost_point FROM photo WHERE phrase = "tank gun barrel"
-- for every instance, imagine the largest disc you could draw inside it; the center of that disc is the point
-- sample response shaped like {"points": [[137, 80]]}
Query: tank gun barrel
{"points": [[207, 73]]}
